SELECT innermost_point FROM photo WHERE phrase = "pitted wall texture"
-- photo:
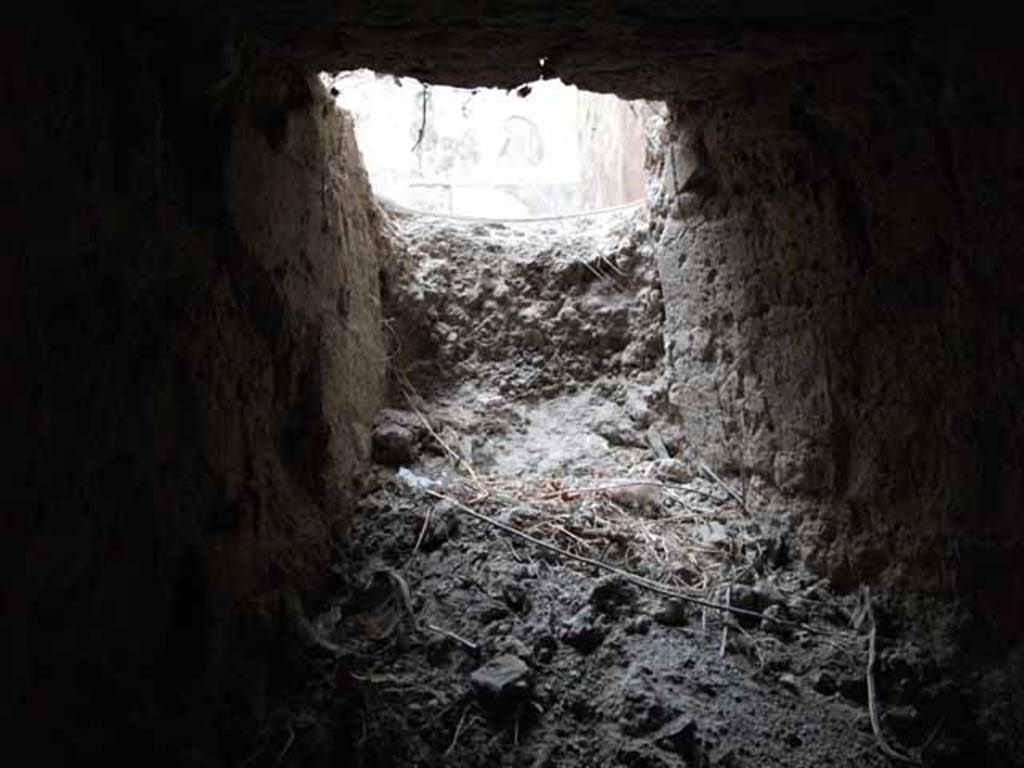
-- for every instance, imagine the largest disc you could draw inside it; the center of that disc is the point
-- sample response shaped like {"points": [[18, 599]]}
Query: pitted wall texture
{"points": [[840, 254]]}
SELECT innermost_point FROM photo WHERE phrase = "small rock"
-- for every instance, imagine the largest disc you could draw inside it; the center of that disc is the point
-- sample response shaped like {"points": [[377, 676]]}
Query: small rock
{"points": [[439, 650], [672, 469], [502, 681], [612, 593], [644, 710], [443, 526], [516, 647], [581, 707], [824, 683], [407, 419], [708, 689], [515, 596], [637, 496], [672, 613], [748, 598], [519, 516], [744, 645], [394, 445], [493, 612], [656, 443], [544, 648], [530, 571], [777, 551], [680, 738], [583, 633], [787, 680]]}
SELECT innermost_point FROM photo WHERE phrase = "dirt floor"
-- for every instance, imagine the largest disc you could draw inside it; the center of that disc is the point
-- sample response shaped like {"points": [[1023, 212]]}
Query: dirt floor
{"points": [[541, 407]]}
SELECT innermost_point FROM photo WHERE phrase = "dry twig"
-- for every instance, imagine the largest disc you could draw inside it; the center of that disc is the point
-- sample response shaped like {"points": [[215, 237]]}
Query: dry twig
{"points": [[459, 460], [286, 747], [876, 725], [725, 625], [458, 730], [725, 487], [640, 581], [467, 644], [423, 532]]}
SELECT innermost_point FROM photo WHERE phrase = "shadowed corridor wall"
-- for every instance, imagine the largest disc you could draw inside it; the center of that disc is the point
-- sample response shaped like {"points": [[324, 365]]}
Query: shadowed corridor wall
{"points": [[192, 310]]}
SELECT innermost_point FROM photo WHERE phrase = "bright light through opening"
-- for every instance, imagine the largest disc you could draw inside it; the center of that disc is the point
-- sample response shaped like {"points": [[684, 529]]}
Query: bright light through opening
{"points": [[545, 149]]}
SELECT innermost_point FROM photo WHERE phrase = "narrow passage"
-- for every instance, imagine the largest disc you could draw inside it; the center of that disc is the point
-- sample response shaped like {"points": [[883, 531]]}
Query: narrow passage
{"points": [[538, 400]]}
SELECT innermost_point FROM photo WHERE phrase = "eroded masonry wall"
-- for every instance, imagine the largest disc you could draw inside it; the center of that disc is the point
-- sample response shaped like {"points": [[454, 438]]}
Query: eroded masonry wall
{"points": [[189, 324], [844, 291], [197, 350]]}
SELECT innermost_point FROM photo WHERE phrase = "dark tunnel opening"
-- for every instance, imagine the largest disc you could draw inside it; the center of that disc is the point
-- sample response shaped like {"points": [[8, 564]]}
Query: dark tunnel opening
{"points": [[218, 339]]}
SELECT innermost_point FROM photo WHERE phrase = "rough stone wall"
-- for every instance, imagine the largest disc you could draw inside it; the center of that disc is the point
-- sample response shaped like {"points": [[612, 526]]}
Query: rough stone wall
{"points": [[196, 346], [169, 421], [840, 254]]}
